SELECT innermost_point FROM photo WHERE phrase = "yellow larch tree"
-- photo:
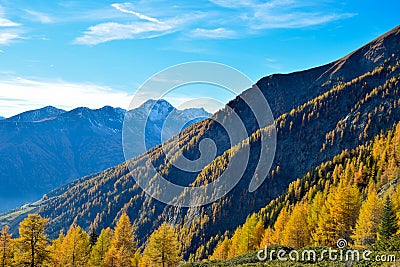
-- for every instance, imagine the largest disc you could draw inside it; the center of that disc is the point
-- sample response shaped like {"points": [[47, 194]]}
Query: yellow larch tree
{"points": [[251, 234], [30, 247], [57, 251], [221, 250], [76, 247], [296, 233], [235, 247], [5, 247], [367, 224], [123, 245], [101, 247], [279, 226], [314, 211], [338, 215], [162, 248], [267, 239]]}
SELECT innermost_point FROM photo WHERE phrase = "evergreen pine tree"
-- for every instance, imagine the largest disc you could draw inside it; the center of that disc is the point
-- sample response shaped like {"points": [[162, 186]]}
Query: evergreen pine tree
{"points": [[93, 237], [388, 225]]}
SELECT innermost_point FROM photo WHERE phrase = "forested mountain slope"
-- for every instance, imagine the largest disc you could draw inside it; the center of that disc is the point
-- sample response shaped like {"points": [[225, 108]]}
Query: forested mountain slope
{"points": [[343, 198], [319, 113]]}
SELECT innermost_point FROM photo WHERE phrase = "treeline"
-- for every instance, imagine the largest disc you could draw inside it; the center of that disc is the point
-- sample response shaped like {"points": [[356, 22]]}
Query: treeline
{"points": [[112, 248], [354, 197]]}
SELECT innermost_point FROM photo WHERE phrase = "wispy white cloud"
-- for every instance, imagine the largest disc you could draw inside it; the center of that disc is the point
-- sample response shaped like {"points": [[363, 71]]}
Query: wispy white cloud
{"points": [[282, 14], [8, 29], [218, 33], [39, 16], [225, 19], [127, 8], [8, 37], [109, 31], [19, 94], [139, 29], [263, 21], [146, 27], [7, 23], [233, 3]]}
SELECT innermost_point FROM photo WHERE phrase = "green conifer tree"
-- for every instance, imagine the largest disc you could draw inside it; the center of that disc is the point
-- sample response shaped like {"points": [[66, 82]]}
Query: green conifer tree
{"points": [[388, 226]]}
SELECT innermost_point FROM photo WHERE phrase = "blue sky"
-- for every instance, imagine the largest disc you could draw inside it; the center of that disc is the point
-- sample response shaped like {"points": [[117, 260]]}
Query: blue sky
{"points": [[92, 53]]}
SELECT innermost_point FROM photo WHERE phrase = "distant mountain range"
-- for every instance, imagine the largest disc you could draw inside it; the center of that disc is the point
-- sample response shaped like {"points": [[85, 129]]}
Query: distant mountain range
{"points": [[43, 149], [37, 115], [319, 113]]}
